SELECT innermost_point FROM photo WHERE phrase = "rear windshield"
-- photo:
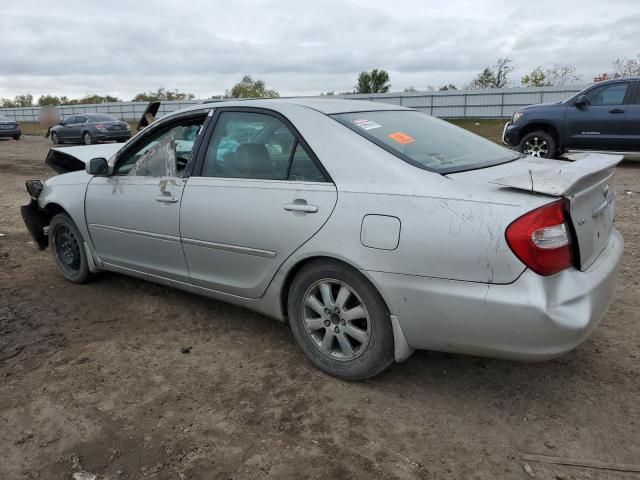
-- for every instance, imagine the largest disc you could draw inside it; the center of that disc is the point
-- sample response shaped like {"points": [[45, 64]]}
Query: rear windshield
{"points": [[425, 141], [102, 118]]}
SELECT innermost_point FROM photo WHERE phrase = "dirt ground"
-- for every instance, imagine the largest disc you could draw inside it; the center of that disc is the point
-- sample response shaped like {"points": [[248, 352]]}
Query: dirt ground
{"points": [[93, 378]]}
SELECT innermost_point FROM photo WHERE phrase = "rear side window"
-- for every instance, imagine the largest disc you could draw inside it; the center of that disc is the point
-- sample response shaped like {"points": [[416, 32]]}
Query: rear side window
{"points": [[102, 118], [426, 142], [257, 146], [303, 169]]}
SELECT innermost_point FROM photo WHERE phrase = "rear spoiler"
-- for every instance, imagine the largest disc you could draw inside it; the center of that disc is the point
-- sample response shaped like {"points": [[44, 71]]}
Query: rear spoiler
{"points": [[565, 179]]}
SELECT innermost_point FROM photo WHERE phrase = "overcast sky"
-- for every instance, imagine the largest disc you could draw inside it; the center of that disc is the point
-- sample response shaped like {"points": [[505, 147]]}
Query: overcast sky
{"points": [[78, 47]]}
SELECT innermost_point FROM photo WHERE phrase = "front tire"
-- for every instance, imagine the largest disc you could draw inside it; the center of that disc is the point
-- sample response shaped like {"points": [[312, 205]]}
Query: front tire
{"points": [[340, 321], [55, 138], [87, 138], [538, 144], [16, 137], [67, 246]]}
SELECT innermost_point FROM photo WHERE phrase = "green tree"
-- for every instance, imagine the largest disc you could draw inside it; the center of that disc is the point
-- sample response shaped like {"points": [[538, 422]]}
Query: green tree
{"points": [[485, 79], [554, 75], [48, 100], [496, 76], [98, 99], [451, 86], [535, 78], [622, 68], [18, 101], [163, 94], [250, 88], [410, 89], [375, 81]]}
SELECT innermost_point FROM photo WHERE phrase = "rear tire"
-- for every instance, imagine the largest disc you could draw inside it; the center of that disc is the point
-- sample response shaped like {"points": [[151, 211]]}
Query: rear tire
{"points": [[17, 137], [87, 138], [538, 144], [67, 246], [340, 321]]}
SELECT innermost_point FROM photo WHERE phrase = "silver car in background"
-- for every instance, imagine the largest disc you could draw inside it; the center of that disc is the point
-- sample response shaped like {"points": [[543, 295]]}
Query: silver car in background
{"points": [[372, 229]]}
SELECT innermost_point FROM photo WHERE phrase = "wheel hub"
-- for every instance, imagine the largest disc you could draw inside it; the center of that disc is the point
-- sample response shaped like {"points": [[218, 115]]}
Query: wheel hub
{"points": [[67, 249], [536, 147], [336, 319]]}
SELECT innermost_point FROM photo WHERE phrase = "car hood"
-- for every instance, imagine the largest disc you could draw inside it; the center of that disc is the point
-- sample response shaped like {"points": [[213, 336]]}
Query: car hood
{"points": [[541, 106], [70, 159]]}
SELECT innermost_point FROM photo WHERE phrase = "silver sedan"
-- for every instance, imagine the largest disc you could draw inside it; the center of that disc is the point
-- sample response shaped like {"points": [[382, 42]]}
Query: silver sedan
{"points": [[372, 229]]}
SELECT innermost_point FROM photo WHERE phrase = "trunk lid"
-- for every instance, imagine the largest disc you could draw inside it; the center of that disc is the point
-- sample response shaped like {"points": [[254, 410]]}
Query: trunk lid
{"points": [[587, 183]]}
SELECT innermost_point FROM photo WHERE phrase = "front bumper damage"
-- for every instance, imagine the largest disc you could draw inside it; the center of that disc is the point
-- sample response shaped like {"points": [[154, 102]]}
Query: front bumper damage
{"points": [[35, 220]]}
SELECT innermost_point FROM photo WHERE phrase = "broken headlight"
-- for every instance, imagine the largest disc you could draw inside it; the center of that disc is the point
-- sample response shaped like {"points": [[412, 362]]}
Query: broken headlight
{"points": [[34, 187]]}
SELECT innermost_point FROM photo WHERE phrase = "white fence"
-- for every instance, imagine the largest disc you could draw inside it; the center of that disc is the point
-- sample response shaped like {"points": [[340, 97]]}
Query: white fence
{"points": [[485, 103]]}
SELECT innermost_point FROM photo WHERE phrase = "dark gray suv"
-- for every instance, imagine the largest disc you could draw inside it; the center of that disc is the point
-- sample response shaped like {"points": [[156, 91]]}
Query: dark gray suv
{"points": [[9, 128], [89, 128], [603, 117]]}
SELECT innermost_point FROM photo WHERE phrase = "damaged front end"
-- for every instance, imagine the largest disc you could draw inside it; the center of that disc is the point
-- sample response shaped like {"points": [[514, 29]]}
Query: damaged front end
{"points": [[35, 220]]}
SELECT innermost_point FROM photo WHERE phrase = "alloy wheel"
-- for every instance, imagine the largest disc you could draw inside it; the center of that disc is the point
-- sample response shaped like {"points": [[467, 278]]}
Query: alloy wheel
{"points": [[87, 139], [536, 147], [336, 319]]}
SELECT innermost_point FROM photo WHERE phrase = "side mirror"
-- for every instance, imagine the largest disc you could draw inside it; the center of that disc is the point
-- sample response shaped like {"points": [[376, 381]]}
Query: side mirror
{"points": [[61, 122], [581, 101], [98, 167]]}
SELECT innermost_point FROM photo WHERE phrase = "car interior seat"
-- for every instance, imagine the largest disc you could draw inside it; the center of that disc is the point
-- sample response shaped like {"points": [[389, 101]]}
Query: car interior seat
{"points": [[253, 161]]}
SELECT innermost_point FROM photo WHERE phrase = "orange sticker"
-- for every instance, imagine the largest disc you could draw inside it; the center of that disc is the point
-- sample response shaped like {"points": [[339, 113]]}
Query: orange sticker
{"points": [[402, 138]]}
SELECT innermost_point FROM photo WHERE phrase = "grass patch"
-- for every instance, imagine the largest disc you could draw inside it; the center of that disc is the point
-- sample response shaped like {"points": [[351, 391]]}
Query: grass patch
{"points": [[487, 128]]}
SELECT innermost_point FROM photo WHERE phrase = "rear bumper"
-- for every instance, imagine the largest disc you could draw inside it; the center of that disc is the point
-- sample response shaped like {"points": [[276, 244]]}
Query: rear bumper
{"points": [[534, 318], [511, 134], [14, 132]]}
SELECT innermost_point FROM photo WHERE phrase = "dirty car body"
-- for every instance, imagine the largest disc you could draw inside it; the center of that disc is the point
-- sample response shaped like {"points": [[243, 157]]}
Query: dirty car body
{"points": [[373, 229]]}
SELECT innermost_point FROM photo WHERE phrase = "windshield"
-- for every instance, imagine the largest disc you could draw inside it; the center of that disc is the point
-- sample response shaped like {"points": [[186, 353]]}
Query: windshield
{"points": [[425, 141]]}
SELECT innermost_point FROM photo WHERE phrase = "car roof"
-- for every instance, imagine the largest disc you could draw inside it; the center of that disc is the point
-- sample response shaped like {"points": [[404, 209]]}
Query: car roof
{"points": [[615, 80], [328, 106]]}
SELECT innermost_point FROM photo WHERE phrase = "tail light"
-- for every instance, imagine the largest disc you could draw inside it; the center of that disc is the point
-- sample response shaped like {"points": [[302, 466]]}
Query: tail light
{"points": [[101, 126], [541, 239]]}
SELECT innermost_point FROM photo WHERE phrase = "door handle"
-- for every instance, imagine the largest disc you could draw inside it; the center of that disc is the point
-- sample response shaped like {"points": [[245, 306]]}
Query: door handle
{"points": [[300, 207], [167, 199], [616, 110]]}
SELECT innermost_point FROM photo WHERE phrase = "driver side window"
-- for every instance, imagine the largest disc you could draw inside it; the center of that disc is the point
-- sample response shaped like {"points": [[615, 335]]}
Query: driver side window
{"points": [[612, 94], [165, 154]]}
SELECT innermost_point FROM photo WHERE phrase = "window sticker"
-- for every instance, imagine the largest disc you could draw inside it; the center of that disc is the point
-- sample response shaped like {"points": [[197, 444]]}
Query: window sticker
{"points": [[365, 124], [402, 138]]}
